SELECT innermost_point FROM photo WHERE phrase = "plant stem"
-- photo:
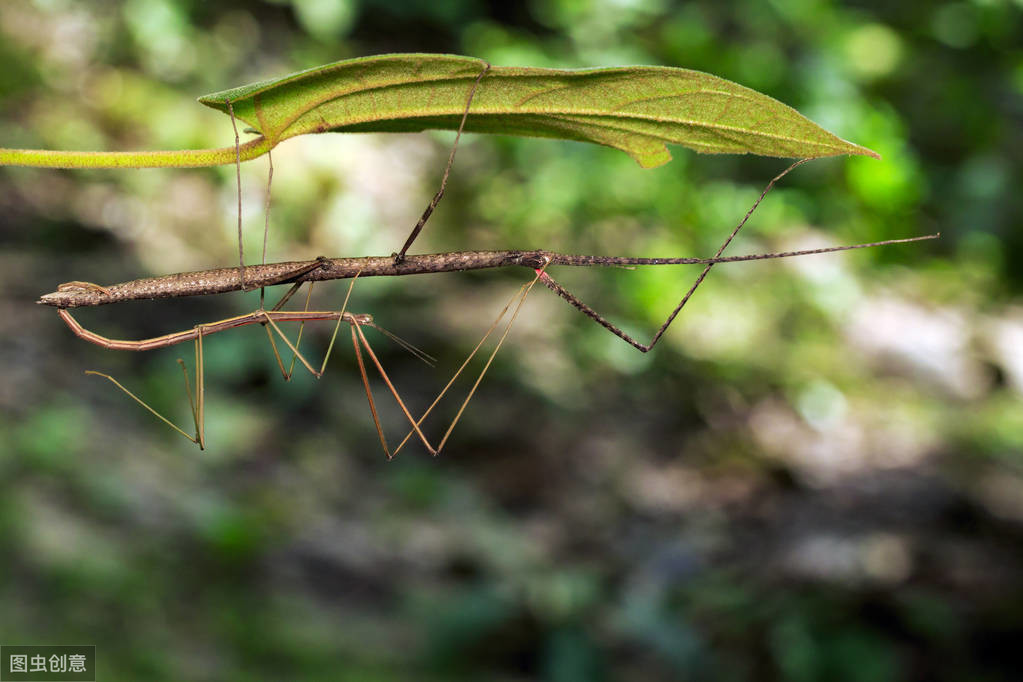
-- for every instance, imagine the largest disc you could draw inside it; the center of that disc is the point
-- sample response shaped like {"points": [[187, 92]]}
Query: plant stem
{"points": [[183, 158]]}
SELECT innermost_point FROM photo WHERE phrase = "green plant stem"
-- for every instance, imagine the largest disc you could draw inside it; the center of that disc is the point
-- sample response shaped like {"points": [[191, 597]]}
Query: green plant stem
{"points": [[184, 158]]}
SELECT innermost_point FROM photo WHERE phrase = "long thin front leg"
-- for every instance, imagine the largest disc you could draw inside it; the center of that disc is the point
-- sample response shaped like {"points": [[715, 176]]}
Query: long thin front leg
{"points": [[596, 317], [400, 256]]}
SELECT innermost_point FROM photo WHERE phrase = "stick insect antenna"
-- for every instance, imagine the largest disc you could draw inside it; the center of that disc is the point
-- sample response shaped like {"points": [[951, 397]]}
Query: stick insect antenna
{"points": [[418, 353]]}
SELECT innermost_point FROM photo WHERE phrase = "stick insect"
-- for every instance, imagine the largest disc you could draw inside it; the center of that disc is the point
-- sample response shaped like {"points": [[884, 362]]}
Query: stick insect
{"points": [[271, 319]]}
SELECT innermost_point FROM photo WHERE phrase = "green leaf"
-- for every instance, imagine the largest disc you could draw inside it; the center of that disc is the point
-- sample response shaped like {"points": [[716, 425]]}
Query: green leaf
{"points": [[637, 109]]}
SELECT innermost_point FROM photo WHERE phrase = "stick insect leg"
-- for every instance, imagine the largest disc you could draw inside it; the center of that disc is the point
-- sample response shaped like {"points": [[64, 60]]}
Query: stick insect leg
{"points": [[357, 329], [238, 176], [358, 338], [369, 393], [518, 299], [144, 404], [342, 315], [465, 363], [400, 256], [596, 317], [287, 373], [266, 220], [200, 390], [196, 401]]}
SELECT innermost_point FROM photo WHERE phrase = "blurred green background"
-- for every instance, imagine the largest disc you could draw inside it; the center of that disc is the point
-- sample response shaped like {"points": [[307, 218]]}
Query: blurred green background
{"points": [[818, 475]]}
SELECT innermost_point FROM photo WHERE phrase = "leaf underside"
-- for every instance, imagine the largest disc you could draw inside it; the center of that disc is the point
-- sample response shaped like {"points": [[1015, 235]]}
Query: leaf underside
{"points": [[637, 109]]}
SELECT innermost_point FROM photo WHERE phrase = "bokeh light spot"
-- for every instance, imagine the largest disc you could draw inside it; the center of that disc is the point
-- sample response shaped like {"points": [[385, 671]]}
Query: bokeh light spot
{"points": [[873, 50]]}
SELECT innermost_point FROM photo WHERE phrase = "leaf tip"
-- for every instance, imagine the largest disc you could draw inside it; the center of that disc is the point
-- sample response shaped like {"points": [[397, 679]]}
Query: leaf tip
{"points": [[865, 151], [213, 103], [853, 149]]}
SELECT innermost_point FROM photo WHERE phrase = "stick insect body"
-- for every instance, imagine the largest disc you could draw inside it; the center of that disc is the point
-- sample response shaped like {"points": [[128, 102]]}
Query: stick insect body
{"points": [[271, 319]]}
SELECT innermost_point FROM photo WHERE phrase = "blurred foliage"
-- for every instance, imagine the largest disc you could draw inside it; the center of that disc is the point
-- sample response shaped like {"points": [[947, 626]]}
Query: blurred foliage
{"points": [[818, 475]]}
